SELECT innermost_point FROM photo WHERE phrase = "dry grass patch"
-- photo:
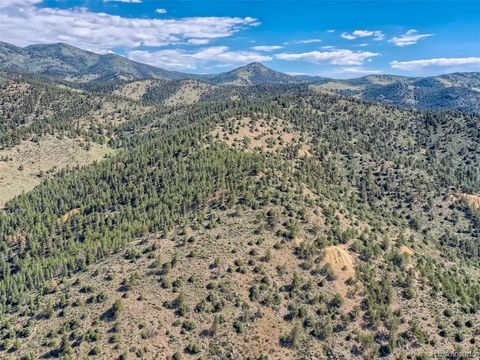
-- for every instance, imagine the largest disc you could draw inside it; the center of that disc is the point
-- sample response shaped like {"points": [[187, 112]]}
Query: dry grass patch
{"points": [[134, 90], [69, 215], [114, 112], [333, 86], [267, 135], [406, 250], [25, 165], [473, 200], [189, 93]]}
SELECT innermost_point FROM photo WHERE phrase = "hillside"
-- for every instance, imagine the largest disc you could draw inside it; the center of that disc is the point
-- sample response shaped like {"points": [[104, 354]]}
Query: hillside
{"points": [[90, 71], [262, 222], [73, 64], [46, 127], [458, 91]]}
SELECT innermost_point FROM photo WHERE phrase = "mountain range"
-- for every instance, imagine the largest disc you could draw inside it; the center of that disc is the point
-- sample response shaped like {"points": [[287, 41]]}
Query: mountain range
{"points": [[457, 91], [251, 214], [70, 63]]}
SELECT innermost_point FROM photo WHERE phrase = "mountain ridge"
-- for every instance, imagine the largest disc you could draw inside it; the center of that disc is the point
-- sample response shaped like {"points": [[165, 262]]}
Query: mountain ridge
{"points": [[302, 223], [45, 49], [455, 91], [75, 64]]}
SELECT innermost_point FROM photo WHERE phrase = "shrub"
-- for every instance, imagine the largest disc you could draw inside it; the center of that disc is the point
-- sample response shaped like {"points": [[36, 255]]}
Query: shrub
{"points": [[293, 338], [117, 308], [193, 348]]}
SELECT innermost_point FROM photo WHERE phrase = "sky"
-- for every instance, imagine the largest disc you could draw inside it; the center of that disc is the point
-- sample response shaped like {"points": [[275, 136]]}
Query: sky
{"points": [[339, 39]]}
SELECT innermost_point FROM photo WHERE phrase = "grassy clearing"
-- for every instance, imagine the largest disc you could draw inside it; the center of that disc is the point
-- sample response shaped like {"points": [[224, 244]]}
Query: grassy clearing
{"points": [[25, 165]]}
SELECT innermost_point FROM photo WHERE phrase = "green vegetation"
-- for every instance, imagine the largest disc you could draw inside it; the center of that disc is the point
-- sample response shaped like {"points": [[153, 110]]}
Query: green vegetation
{"points": [[295, 222]]}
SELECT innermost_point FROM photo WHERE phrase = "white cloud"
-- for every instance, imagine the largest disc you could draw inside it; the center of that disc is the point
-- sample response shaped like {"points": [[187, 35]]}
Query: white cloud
{"points": [[409, 38], [335, 57], [357, 70], [331, 31], [125, 1], [303, 41], [309, 41], [458, 64], [19, 3], [23, 23], [161, 11], [198, 41], [377, 35], [266, 47], [349, 72], [183, 60], [348, 36]]}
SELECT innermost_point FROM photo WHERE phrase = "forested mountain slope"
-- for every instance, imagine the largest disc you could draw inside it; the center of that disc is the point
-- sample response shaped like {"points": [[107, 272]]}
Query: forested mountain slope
{"points": [[45, 126], [73, 64], [90, 71], [299, 224], [457, 91]]}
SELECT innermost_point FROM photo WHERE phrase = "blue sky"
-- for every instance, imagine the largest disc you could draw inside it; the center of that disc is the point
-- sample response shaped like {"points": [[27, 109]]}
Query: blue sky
{"points": [[340, 39]]}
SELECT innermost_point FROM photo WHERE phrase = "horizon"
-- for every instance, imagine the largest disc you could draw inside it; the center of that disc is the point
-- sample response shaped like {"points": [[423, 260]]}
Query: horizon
{"points": [[252, 63], [339, 40]]}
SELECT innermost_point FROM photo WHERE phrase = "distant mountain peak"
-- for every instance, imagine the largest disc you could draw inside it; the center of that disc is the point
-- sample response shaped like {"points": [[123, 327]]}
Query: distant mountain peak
{"points": [[256, 66], [254, 73]]}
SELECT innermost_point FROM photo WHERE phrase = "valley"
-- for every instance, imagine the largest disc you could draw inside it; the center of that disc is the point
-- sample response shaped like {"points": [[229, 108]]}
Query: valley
{"points": [[244, 215]]}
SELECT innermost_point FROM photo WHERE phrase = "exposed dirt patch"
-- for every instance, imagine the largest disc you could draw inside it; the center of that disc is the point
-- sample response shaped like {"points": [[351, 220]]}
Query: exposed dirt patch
{"points": [[305, 151], [342, 264], [70, 214], [473, 200], [340, 260], [406, 250]]}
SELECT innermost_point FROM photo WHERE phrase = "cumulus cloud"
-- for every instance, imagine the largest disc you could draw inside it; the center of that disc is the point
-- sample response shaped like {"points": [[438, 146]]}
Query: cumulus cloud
{"points": [[460, 64], [24, 23], [377, 35], [409, 38], [335, 57], [177, 59], [161, 11], [20, 3], [198, 41], [266, 47]]}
